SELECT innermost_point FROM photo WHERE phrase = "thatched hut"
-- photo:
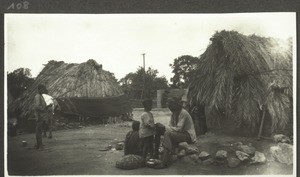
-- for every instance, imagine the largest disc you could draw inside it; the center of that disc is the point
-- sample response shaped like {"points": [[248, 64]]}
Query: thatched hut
{"points": [[79, 89], [244, 78]]}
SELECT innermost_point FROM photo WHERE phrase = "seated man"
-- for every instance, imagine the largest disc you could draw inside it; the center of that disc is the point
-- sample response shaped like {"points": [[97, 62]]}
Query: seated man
{"points": [[181, 129]]}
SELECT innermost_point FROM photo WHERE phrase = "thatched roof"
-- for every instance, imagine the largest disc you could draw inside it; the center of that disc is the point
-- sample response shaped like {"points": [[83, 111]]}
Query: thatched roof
{"points": [[65, 80], [241, 74]]}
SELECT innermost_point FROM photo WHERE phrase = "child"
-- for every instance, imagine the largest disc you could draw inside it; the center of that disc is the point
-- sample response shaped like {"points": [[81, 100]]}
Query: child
{"points": [[132, 140], [147, 129]]}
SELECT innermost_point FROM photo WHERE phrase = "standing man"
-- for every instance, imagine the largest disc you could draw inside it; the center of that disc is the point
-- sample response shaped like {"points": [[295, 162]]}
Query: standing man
{"points": [[181, 129], [40, 112]]}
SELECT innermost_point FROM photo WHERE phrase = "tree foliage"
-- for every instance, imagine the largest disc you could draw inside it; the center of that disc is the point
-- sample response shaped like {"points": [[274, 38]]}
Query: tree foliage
{"points": [[183, 68], [133, 83], [18, 81]]}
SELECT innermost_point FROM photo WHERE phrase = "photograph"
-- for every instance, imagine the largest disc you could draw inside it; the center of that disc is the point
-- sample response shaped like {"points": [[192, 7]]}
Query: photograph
{"points": [[150, 94]]}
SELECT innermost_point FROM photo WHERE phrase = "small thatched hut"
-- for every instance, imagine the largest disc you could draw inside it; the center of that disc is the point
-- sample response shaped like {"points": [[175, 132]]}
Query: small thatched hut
{"points": [[77, 87], [244, 78]]}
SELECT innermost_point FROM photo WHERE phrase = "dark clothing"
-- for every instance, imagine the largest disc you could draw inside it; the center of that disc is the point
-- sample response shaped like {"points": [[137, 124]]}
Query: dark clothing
{"points": [[198, 115], [40, 115], [147, 146], [132, 143]]}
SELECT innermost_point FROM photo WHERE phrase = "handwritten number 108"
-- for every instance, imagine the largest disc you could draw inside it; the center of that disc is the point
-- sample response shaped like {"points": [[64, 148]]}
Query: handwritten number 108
{"points": [[19, 6]]}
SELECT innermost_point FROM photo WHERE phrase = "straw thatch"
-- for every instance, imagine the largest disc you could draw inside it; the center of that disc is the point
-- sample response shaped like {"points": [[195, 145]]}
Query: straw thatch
{"points": [[65, 80], [242, 76]]}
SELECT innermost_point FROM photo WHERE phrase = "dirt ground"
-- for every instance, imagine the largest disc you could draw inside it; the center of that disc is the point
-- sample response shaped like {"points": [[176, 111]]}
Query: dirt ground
{"points": [[78, 152]]}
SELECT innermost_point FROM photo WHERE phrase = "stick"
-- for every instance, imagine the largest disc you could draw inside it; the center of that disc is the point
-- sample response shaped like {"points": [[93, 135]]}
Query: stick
{"points": [[261, 124]]}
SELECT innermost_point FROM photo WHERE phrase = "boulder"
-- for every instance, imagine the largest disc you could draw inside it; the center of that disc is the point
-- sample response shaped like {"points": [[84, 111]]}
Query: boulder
{"points": [[233, 162], [204, 155], [242, 156], [280, 138], [192, 150], [283, 153], [221, 154], [247, 149], [258, 158]]}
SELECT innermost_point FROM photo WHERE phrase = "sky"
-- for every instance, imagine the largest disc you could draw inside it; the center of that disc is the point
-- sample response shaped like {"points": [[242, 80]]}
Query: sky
{"points": [[117, 41]]}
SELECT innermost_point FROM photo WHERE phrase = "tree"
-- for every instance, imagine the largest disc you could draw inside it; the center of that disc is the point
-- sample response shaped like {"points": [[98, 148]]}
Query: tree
{"points": [[183, 68], [18, 81], [132, 84]]}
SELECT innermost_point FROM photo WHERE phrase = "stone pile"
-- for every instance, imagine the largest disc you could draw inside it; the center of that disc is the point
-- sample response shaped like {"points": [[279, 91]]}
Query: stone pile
{"points": [[242, 154]]}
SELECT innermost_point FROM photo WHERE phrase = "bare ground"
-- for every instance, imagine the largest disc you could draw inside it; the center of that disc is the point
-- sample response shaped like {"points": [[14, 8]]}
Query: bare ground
{"points": [[78, 152]]}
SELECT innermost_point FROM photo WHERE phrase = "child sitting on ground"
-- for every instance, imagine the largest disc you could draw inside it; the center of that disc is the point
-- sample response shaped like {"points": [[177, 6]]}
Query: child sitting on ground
{"points": [[147, 129], [132, 140]]}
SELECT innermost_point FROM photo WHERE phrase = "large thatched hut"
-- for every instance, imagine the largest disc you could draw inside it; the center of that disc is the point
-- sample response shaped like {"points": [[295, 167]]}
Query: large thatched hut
{"points": [[245, 79], [82, 89]]}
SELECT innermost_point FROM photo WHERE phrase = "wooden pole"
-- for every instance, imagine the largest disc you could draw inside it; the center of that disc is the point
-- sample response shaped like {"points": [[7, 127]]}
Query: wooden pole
{"points": [[142, 95], [261, 124]]}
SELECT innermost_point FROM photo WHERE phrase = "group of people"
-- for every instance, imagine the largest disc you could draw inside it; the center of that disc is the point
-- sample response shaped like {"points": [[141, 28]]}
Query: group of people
{"points": [[145, 137]]}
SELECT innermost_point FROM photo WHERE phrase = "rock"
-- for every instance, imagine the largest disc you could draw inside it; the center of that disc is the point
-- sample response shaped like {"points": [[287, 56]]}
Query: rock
{"points": [[192, 150], [283, 153], [181, 154], [258, 158], [242, 156], [233, 162], [204, 155], [221, 154], [183, 145], [247, 149], [208, 161], [119, 146], [280, 138]]}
